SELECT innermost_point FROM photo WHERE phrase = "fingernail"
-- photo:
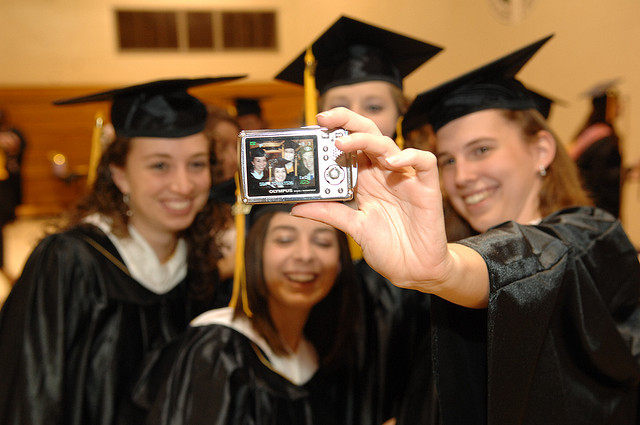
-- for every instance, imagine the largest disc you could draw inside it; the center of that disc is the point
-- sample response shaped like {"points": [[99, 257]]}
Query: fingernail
{"points": [[343, 139], [392, 160], [324, 114]]}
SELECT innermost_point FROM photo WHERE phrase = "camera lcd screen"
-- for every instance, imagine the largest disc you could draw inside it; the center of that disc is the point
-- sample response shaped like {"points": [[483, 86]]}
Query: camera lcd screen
{"points": [[282, 165]]}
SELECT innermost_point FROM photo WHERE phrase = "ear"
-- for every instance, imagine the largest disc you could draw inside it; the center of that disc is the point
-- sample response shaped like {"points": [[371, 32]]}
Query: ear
{"points": [[119, 177], [544, 148]]}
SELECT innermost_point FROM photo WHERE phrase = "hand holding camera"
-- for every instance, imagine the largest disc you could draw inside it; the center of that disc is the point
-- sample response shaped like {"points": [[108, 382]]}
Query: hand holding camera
{"points": [[295, 165], [399, 220]]}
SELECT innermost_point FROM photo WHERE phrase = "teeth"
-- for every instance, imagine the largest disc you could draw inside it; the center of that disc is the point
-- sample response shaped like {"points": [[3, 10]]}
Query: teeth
{"points": [[477, 197], [177, 205], [301, 277]]}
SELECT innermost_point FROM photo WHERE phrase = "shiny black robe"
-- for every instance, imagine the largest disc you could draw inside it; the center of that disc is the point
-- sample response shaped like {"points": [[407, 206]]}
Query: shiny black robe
{"points": [[560, 340], [221, 377], [74, 331], [217, 376]]}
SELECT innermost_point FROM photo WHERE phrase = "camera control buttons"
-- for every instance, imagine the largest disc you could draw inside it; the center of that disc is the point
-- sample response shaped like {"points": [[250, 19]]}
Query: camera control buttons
{"points": [[334, 174], [325, 148], [325, 158]]}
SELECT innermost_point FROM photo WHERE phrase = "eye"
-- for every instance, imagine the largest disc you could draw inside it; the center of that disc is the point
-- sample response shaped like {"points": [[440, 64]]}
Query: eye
{"points": [[445, 160], [374, 108], [481, 150], [338, 104], [198, 165], [283, 237], [160, 166], [323, 242]]}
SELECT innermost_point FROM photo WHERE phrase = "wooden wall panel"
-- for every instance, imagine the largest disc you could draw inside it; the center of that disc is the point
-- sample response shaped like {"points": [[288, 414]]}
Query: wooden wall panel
{"points": [[68, 129]]}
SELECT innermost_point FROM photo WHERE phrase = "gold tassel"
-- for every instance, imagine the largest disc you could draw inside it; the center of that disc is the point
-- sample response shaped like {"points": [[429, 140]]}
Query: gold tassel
{"points": [[4, 174], [96, 148], [310, 94], [239, 211], [399, 138]]}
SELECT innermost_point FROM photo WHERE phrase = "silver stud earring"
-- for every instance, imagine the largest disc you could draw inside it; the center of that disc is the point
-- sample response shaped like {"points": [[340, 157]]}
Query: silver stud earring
{"points": [[126, 199], [543, 171]]}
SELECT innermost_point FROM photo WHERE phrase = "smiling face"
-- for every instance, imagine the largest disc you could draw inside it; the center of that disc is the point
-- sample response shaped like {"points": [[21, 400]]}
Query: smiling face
{"points": [[289, 154], [372, 99], [488, 170], [300, 262], [259, 162], [308, 161], [279, 174], [168, 183]]}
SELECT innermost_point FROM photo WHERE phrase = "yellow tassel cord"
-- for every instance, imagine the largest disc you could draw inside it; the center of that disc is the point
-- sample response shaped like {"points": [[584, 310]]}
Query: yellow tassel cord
{"points": [[96, 148], [399, 138], [310, 94], [4, 174], [239, 211]]}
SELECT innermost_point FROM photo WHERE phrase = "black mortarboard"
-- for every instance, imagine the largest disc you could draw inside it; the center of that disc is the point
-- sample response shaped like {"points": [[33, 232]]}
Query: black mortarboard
{"points": [[247, 106], [491, 86], [290, 144], [351, 52], [155, 109], [544, 101]]}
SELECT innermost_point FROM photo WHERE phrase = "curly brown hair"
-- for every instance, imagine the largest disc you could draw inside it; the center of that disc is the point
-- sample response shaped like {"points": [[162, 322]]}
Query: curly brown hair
{"points": [[105, 198]]}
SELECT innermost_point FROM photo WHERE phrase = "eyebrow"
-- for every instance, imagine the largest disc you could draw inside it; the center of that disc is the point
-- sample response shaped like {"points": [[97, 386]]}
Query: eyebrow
{"points": [[294, 229], [166, 155], [468, 144]]}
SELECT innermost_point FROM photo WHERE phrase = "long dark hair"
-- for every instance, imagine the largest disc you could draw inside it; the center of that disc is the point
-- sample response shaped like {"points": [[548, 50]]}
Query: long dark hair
{"points": [[330, 326], [106, 199]]}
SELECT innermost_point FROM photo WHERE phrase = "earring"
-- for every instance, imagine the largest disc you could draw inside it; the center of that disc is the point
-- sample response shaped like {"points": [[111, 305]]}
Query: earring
{"points": [[543, 171], [126, 199]]}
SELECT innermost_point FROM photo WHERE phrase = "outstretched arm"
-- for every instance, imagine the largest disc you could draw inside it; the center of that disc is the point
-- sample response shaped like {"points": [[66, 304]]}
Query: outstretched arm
{"points": [[399, 222]]}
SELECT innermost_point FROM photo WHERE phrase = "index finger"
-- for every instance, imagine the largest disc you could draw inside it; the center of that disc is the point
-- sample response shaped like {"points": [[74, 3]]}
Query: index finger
{"points": [[365, 135], [344, 118]]}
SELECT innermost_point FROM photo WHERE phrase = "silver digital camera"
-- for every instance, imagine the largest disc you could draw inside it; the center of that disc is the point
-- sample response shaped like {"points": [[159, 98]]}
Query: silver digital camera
{"points": [[295, 165]]}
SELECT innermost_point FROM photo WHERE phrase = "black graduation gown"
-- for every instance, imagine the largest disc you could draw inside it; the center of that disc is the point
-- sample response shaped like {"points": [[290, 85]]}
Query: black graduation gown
{"points": [[560, 339], [215, 375], [221, 377], [74, 330], [393, 329]]}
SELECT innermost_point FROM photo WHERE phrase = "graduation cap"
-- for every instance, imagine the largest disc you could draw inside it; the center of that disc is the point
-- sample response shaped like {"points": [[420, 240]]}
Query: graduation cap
{"points": [[156, 109], [543, 101], [351, 51], [491, 86]]}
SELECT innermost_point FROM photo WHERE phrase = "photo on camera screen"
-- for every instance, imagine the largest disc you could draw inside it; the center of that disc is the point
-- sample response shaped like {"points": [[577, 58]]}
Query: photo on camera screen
{"points": [[282, 165]]}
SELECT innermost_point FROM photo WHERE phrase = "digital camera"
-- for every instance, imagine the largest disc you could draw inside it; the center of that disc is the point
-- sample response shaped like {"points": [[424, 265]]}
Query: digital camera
{"points": [[295, 165]]}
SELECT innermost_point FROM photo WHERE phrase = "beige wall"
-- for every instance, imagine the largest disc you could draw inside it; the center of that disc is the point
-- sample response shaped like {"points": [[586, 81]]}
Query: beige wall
{"points": [[68, 42]]}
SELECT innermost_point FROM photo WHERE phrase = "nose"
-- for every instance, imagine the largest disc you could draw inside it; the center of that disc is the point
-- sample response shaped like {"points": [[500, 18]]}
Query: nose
{"points": [[181, 181], [303, 251], [464, 173]]}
